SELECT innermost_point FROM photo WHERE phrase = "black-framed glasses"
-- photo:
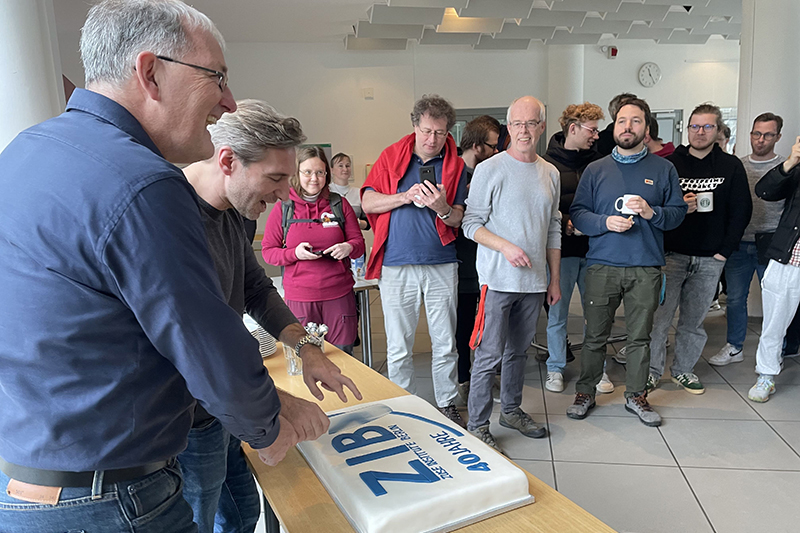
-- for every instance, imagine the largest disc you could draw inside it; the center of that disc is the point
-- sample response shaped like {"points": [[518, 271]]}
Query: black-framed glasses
{"points": [[492, 146], [222, 78], [708, 128], [767, 136]]}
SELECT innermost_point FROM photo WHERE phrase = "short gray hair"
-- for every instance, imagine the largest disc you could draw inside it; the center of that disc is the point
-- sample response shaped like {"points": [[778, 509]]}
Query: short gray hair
{"points": [[541, 108], [253, 128], [435, 107], [117, 31]]}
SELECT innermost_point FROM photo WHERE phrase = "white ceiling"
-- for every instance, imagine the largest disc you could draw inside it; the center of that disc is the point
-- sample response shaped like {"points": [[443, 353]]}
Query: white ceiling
{"points": [[482, 24]]}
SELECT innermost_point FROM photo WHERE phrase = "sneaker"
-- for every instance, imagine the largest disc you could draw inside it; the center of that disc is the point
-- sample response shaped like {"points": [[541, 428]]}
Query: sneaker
{"points": [[763, 389], [580, 407], [652, 383], [638, 405], [451, 412], [727, 355], [621, 356], [482, 433], [555, 382], [605, 386], [521, 421], [690, 383], [715, 307], [463, 392], [570, 355]]}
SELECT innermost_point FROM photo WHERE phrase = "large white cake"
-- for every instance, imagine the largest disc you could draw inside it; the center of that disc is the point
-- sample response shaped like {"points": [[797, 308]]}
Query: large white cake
{"points": [[399, 466]]}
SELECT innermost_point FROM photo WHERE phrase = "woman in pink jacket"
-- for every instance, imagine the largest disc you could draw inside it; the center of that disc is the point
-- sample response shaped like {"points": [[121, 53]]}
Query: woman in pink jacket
{"points": [[317, 281]]}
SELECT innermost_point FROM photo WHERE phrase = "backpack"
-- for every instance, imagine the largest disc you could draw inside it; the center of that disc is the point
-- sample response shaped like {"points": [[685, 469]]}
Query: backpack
{"points": [[288, 214]]}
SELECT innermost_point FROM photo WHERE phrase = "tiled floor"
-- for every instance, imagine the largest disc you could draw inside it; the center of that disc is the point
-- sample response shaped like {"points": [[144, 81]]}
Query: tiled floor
{"points": [[719, 463]]}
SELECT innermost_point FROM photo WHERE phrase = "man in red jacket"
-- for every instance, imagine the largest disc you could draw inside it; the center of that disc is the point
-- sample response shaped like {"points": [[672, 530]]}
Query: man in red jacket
{"points": [[414, 198]]}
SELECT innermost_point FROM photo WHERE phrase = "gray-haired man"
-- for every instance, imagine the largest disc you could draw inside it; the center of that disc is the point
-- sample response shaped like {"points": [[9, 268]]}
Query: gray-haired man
{"points": [[99, 384]]}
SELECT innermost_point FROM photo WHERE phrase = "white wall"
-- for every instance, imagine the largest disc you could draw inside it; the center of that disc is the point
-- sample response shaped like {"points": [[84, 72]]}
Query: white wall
{"points": [[691, 74]]}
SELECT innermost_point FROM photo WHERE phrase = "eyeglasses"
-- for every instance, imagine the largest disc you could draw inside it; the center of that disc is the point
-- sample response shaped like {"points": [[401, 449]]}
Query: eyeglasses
{"points": [[706, 127], [436, 133], [529, 125], [767, 136], [317, 173], [222, 78], [594, 131], [492, 146]]}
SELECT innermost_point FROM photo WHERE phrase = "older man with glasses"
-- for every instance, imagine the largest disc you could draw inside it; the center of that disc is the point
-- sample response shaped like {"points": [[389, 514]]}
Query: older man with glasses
{"points": [[414, 199]]}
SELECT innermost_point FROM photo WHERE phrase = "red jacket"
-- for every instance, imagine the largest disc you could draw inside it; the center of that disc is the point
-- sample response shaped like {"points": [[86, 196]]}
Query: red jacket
{"points": [[320, 279], [385, 177]]}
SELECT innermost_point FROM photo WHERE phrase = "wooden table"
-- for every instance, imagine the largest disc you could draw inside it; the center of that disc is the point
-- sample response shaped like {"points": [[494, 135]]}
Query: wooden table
{"points": [[302, 504]]}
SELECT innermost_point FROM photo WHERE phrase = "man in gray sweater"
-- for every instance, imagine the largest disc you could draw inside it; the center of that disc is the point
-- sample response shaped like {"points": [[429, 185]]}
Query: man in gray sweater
{"points": [[512, 213]]}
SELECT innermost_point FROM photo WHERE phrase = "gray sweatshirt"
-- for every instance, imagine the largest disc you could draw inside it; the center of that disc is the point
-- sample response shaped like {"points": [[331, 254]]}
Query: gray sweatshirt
{"points": [[518, 202], [766, 215]]}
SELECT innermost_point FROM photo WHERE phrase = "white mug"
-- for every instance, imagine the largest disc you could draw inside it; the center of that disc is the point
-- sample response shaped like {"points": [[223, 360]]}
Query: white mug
{"points": [[705, 202], [624, 209]]}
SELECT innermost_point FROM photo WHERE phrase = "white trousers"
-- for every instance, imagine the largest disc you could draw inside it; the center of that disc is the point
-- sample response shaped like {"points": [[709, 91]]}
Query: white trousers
{"points": [[780, 295], [403, 290]]}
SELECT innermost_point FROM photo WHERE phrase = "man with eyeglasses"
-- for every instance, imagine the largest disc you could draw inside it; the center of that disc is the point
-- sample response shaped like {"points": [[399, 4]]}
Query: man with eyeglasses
{"points": [[414, 199], [478, 143], [746, 261], [714, 187], [114, 322], [512, 213], [624, 203]]}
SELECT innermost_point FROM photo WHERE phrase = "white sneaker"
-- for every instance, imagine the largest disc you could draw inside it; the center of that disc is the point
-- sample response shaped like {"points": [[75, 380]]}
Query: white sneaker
{"points": [[605, 386], [727, 355], [555, 382], [761, 391], [621, 356]]}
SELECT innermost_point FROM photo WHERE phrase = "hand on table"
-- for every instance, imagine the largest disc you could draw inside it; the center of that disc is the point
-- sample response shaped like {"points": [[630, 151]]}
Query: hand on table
{"points": [[318, 368], [307, 418], [275, 452]]}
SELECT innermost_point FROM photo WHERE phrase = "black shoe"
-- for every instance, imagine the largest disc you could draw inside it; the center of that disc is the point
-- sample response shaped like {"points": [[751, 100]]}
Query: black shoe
{"points": [[570, 355]]}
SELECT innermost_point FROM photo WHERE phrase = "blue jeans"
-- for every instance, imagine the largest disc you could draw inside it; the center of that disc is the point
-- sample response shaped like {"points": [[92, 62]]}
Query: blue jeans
{"points": [[573, 270], [218, 483], [150, 504], [739, 270]]}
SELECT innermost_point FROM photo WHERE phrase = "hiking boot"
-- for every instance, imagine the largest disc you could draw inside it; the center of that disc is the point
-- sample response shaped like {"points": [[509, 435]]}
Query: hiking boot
{"points": [[638, 405], [605, 386], [463, 392], [690, 383], [621, 356], [652, 383], [727, 355], [580, 408], [482, 433], [451, 412], [555, 382], [763, 389], [521, 421]]}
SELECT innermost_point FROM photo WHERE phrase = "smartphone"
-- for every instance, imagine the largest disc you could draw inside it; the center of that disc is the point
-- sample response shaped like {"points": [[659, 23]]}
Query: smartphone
{"points": [[317, 252], [427, 174]]}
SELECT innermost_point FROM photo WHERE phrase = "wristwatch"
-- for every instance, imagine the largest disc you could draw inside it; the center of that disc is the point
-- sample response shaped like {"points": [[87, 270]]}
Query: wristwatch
{"points": [[308, 339], [447, 215]]}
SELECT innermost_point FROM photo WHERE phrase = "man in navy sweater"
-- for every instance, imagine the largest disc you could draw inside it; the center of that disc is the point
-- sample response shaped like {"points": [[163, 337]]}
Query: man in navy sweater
{"points": [[624, 203]]}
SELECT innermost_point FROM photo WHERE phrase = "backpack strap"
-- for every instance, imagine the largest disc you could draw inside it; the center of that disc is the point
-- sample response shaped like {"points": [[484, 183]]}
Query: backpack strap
{"points": [[287, 211]]}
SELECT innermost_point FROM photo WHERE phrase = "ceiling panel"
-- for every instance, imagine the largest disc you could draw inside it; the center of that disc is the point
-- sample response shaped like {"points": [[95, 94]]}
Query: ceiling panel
{"points": [[724, 8], [565, 37], [719, 28], [681, 20], [638, 12], [487, 43], [431, 37], [510, 9], [545, 17], [512, 31], [381, 14], [642, 31], [452, 23], [680, 36], [388, 31], [597, 25], [458, 4], [586, 5], [354, 43], [701, 3]]}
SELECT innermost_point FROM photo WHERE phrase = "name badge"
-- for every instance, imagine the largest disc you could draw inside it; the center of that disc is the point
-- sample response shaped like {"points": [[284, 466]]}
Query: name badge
{"points": [[648, 182]]}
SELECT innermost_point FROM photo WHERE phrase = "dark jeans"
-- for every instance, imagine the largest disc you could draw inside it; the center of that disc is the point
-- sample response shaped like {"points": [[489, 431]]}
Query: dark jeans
{"points": [[606, 287], [465, 322]]}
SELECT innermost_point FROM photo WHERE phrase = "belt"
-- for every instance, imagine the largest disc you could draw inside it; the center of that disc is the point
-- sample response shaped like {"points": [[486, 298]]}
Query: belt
{"points": [[56, 478]]}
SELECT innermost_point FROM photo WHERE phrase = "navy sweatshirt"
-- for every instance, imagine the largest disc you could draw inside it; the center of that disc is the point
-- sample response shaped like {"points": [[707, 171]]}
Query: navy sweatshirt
{"points": [[603, 181]]}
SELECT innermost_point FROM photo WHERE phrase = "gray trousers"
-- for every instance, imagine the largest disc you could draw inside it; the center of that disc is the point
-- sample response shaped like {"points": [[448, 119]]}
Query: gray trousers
{"points": [[691, 283], [509, 326]]}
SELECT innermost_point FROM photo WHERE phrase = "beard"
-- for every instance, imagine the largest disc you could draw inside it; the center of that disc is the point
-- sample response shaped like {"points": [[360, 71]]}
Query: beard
{"points": [[630, 143], [700, 145], [762, 151]]}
